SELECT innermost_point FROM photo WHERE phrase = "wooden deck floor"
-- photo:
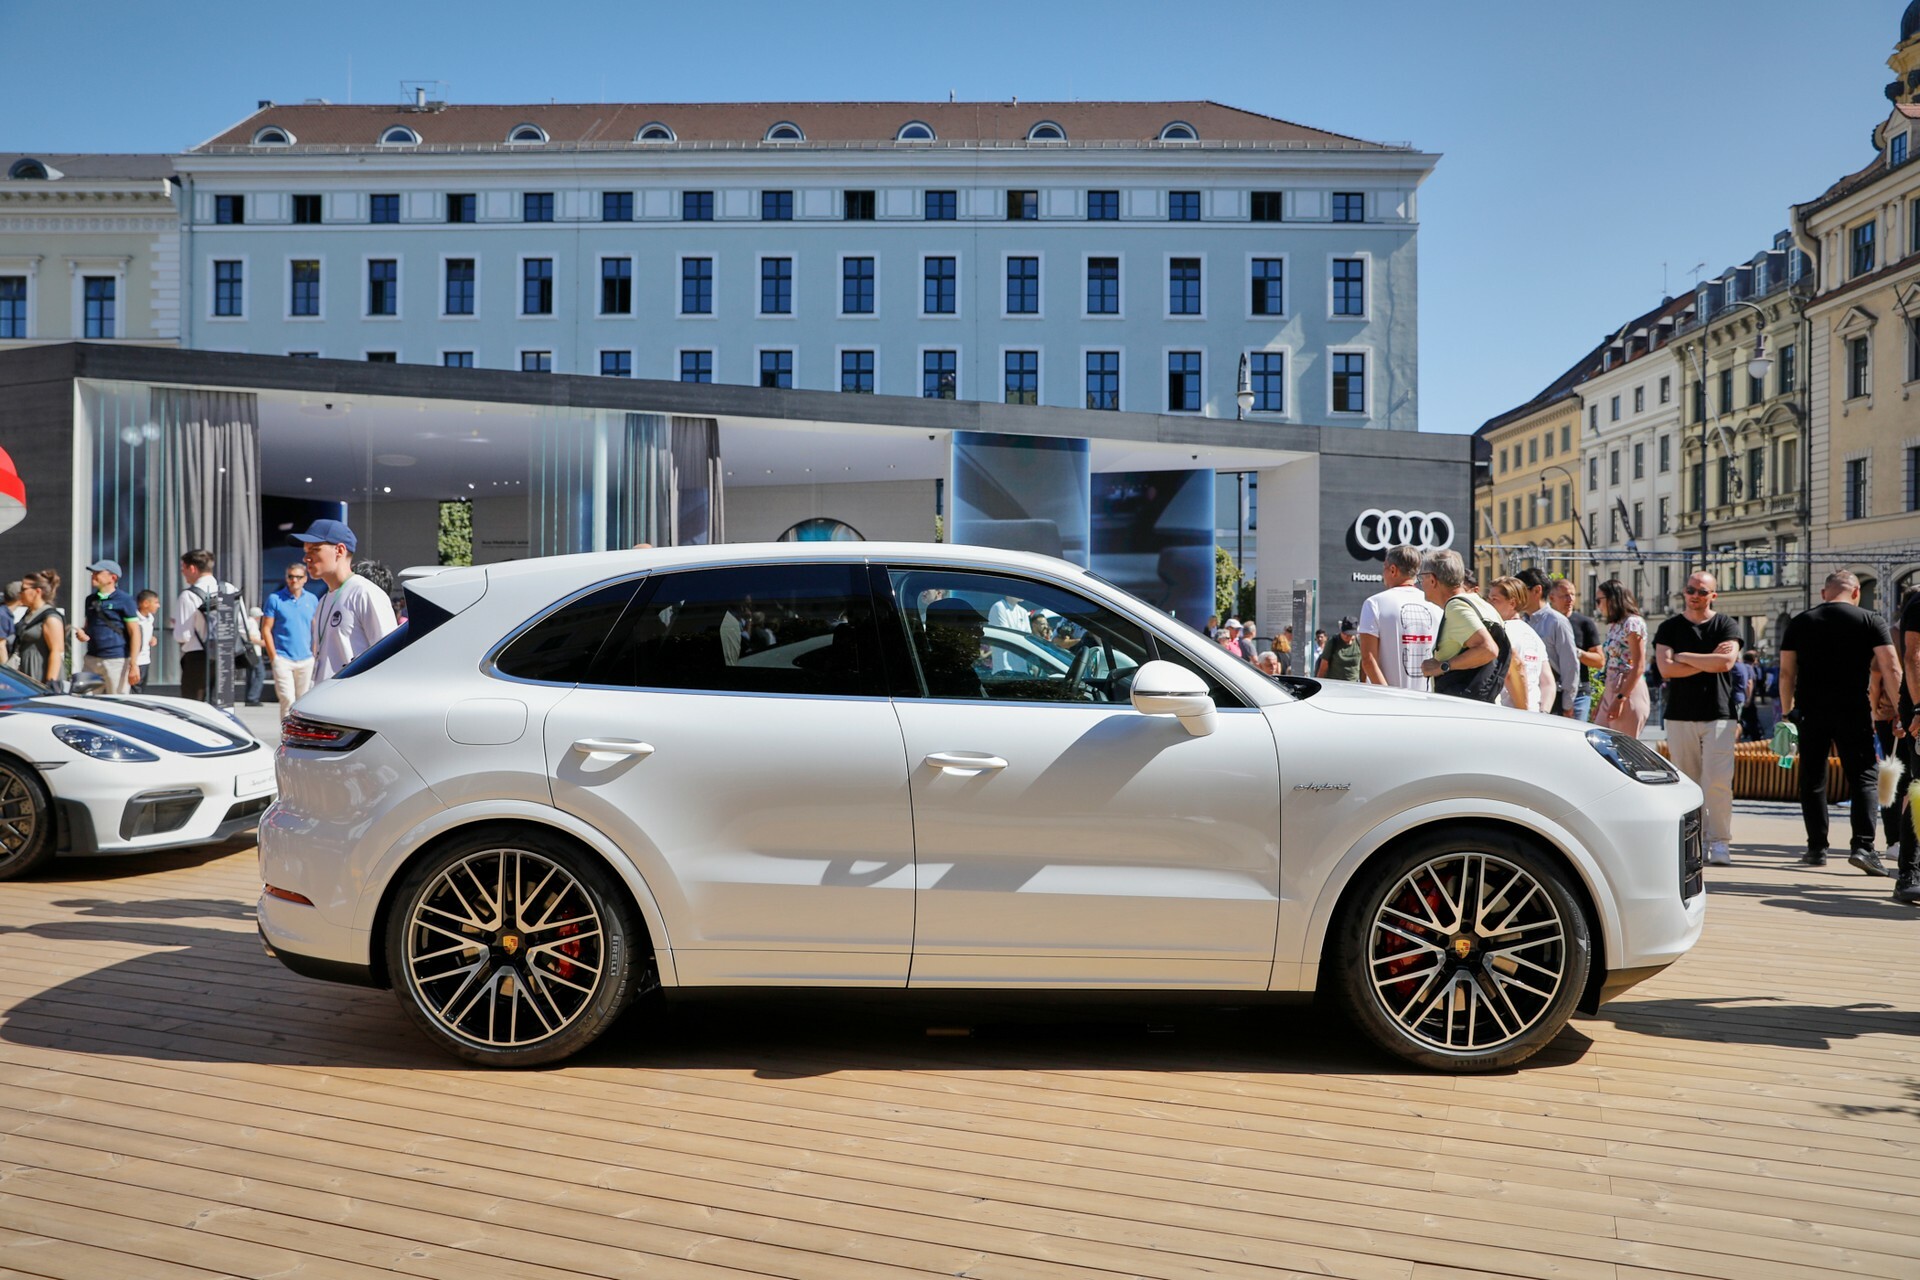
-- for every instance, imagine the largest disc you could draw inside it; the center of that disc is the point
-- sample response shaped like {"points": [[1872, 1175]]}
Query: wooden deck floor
{"points": [[174, 1104]]}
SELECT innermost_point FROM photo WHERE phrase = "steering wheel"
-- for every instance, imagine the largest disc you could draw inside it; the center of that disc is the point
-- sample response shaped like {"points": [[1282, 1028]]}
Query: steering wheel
{"points": [[1078, 689]]}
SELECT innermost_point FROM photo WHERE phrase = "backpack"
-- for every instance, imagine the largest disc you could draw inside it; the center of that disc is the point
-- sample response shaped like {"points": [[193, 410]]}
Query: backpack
{"points": [[1482, 683]]}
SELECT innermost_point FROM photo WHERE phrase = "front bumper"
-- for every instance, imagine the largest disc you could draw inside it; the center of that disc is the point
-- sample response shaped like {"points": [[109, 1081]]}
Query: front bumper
{"points": [[141, 808]]}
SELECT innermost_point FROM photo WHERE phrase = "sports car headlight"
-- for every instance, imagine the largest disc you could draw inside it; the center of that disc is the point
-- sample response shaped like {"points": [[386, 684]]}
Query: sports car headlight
{"points": [[101, 745], [1632, 757]]}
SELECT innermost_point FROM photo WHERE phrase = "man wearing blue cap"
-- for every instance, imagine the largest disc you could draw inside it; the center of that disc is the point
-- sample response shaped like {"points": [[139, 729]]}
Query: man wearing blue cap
{"points": [[355, 612], [110, 633]]}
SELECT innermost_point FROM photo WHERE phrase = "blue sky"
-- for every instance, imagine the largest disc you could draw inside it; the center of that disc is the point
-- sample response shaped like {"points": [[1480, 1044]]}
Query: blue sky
{"points": [[1584, 146]]}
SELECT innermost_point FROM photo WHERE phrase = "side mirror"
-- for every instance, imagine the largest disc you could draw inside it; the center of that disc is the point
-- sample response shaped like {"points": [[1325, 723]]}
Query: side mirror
{"points": [[86, 684], [1163, 688]]}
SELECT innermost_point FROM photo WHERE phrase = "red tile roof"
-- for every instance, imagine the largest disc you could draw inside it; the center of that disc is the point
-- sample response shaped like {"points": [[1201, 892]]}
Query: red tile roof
{"points": [[338, 125]]}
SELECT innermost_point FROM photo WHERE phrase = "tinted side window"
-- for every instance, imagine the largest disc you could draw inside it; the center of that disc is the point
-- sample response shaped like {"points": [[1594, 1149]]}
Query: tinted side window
{"points": [[775, 628], [559, 648]]}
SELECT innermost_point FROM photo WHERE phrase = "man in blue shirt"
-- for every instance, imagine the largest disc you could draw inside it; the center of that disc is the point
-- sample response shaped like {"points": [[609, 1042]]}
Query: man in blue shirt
{"points": [[286, 636], [110, 632]]}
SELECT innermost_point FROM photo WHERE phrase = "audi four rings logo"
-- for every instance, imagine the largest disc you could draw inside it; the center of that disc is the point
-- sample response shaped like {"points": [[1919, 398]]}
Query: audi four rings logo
{"points": [[1376, 530]]}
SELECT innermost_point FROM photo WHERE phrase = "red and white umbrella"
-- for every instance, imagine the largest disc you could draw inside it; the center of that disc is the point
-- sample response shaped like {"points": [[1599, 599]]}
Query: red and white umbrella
{"points": [[13, 494]]}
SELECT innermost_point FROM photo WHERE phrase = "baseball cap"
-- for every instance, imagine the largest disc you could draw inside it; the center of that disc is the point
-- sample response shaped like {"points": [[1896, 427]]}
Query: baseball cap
{"points": [[108, 566], [328, 531], [1347, 624]]}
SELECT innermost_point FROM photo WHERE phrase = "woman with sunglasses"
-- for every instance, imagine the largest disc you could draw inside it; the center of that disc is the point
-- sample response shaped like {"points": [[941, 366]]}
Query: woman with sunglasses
{"points": [[1624, 701]]}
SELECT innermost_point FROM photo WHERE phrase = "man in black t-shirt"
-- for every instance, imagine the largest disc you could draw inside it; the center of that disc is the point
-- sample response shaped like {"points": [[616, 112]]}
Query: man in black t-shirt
{"points": [[1695, 650], [1906, 886], [1831, 660]]}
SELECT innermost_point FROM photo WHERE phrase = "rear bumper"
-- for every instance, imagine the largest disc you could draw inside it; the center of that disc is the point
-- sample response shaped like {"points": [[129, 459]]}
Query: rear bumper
{"points": [[357, 975]]}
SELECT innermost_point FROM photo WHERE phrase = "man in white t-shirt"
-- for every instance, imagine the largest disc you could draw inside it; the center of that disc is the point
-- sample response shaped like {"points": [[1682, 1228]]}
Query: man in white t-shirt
{"points": [[1398, 626], [355, 612], [1008, 614]]}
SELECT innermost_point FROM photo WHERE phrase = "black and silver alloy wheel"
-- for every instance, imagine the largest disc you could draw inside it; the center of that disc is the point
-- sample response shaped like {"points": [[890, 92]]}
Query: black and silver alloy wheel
{"points": [[511, 954], [26, 821], [1466, 955]]}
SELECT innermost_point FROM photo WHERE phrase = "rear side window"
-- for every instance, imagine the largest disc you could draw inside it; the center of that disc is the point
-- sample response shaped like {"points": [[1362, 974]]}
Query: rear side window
{"points": [[774, 628], [559, 648], [422, 617]]}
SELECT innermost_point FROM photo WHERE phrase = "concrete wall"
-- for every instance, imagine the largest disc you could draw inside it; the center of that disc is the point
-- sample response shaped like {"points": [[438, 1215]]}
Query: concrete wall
{"points": [[882, 510]]}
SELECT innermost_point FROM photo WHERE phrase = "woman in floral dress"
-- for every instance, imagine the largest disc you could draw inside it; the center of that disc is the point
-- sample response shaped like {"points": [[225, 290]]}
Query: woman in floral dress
{"points": [[1623, 700]]}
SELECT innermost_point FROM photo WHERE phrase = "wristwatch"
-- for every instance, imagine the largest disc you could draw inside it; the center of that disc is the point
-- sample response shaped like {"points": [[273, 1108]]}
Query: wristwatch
{"points": [[1446, 665]]}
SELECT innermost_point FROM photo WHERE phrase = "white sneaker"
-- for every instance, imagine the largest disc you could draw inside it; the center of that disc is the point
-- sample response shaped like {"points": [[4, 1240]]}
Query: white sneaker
{"points": [[1717, 855]]}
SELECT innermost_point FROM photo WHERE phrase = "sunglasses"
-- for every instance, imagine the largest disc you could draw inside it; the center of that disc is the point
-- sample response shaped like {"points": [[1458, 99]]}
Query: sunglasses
{"points": [[1698, 591]]}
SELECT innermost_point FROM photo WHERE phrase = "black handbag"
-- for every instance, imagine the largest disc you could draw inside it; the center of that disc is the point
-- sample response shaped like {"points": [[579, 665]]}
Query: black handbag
{"points": [[1482, 683]]}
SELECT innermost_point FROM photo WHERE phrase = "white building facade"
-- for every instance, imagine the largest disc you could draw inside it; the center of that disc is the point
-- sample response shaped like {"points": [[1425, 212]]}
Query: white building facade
{"points": [[1092, 255]]}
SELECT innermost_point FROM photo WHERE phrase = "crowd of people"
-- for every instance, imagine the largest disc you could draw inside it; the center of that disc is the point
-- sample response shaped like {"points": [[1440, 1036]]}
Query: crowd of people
{"points": [[329, 610]]}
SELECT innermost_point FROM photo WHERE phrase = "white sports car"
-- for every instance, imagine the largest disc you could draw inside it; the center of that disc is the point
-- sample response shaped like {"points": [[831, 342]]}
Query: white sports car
{"points": [[568, 782], [123, 774]]}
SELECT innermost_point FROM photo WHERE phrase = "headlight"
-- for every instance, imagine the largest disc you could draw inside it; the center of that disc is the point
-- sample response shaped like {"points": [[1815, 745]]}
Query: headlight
{"points": [[1632, 757], [101, 745]]}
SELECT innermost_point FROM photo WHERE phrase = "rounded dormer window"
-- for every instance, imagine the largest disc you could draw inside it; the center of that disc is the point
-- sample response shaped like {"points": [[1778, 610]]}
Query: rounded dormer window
{"points": [[399, 136], [786, 131], [272, 136], [28, 168], [914, 131], [1179, 131], [655, 132], [1046, 131], [527, 133]]}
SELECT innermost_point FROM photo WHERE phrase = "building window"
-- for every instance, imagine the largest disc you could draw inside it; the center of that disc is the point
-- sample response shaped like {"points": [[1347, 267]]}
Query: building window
{"points": [[1897, 150], [696, 286], [1183, 382], [696, 366], [616, 364], [1698, 485], [1103, 379], [1183, 286], [1613, 410], [1503, 517], [462, 208], [696, 206], [1756, 471], [1855, 492], [1593, 417], [1269, 286], [1267, 370], [1349, 382], [1566, 438], [616, 286], [1700, 402], [776, 369], [383, 287], [306, 209], [1639, 399], [1640, 460], [616, 206], [776, 286], [1913, 349], [1639, 520], [230, 209], [1913, 478], [229, 289], [383, 357], [1666, 389], [383, 208], [857, 206], [1789, 371], [1787, 469], [1267, 206], [856, 286], [13, 306], [856, 372], [1613, 466], [1858, 381], [1349, 287], [1023, 206], [776, 206], [1022, 372], [1593, 474], [1547, 446], [536, 362], [536, 287], [1726, 391], [460, 286], [1183, 206], [1666, 522], [1533, 450], [536, 206], [1860, 242], [1349, 206], [939, 375], [942, 206], [1666, 454], [457, 359], [942, 293], [1103, 206], [1023, 286], [1103, 286], [304, 299]]}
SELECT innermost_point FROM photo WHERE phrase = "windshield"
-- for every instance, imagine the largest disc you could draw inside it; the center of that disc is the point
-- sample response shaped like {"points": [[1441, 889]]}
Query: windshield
{"points": [[16, 686]]}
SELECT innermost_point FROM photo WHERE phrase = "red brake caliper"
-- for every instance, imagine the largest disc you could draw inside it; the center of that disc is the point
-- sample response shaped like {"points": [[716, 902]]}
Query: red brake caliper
{"points": [[563, 967], [1393, 944]]}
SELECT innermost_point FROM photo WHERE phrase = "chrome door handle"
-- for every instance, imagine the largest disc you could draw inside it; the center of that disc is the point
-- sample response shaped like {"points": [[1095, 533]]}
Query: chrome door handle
{"points": [[966, 761], [613, 747]]}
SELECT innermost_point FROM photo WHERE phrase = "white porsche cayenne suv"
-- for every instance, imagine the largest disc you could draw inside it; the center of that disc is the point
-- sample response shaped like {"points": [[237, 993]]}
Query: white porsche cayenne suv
{"points": [[565, 783]]}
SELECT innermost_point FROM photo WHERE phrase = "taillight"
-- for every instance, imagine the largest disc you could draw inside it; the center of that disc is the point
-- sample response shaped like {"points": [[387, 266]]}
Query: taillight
{"points": [[318, 735]]}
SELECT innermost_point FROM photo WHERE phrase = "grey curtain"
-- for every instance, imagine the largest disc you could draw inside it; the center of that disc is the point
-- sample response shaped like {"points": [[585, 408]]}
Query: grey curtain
{"points": [[699, 495], [213, 462], [646, 504]]}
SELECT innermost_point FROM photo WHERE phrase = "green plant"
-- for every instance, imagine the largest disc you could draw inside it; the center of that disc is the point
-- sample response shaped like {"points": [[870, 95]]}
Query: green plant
{"points": [[1226, 582], [456, 532]]}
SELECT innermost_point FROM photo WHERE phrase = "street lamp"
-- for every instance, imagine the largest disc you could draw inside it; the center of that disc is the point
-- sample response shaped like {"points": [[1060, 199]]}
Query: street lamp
{"points": [[1244, 395]]}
